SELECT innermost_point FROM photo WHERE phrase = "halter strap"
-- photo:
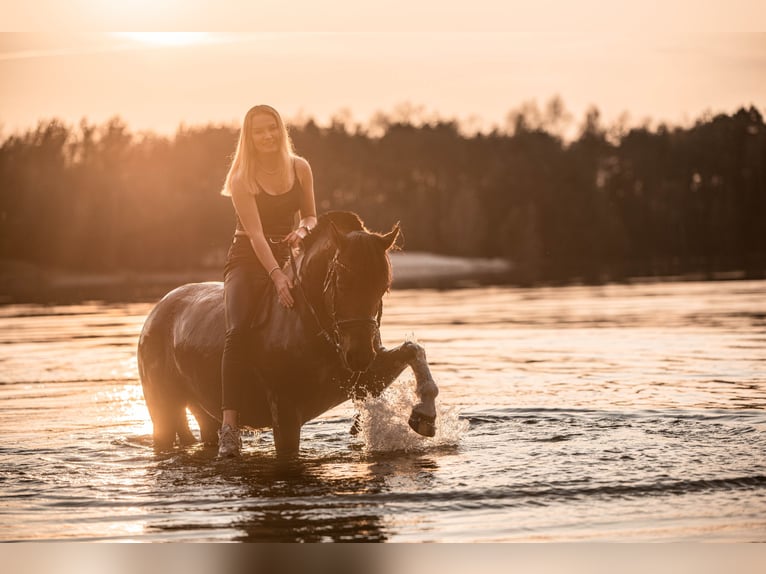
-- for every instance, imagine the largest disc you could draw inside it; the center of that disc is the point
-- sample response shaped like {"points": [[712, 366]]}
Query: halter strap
{"points": [[322, 331]]}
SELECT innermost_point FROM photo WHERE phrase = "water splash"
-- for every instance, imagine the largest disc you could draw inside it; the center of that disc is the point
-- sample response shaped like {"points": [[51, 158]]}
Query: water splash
{"points": [[383, 423]]}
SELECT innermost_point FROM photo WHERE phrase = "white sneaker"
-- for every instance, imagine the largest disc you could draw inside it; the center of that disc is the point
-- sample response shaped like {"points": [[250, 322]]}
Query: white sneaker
{"points": [[229, 442]]}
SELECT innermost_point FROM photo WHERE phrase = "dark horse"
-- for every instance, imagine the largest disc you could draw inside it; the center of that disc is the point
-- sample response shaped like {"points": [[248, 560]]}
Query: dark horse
{"points": [[308, 359]]}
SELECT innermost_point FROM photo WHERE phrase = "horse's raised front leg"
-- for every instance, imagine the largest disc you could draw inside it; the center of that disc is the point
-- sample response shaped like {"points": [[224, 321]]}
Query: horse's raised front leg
{"points": [[389, 364]]}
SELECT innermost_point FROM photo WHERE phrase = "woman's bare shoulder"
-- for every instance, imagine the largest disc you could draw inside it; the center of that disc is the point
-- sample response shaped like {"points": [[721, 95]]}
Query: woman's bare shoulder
{"points": [[240, 185], [302, 165]]}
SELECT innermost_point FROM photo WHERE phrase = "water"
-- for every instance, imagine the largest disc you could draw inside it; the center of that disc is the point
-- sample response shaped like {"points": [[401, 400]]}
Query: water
{"points": [[633, 412]]}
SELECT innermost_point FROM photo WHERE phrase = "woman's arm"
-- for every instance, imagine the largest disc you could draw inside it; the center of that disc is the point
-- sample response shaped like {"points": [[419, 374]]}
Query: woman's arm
{"points": [[247, 210], [308, 210]]}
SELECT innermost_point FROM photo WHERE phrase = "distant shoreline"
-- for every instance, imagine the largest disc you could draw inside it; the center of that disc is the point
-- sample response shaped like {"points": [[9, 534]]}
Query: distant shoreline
{"points": [[22, 283]]}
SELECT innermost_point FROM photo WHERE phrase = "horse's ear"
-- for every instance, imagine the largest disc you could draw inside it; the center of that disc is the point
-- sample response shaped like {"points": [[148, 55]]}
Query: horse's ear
{"points": [[338, 235], [389, 238]]}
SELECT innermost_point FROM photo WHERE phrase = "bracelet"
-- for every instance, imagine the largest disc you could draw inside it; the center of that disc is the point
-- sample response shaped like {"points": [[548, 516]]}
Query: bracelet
{"points": [[272, 271]]}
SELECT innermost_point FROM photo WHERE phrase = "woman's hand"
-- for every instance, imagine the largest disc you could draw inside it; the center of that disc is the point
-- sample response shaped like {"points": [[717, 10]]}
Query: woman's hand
{"points": [[283, 284], [295, 238]]}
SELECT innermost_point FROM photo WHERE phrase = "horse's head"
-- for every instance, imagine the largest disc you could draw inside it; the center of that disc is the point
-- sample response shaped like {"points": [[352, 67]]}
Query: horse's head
{"points": [[346, 271], [358, 276]]}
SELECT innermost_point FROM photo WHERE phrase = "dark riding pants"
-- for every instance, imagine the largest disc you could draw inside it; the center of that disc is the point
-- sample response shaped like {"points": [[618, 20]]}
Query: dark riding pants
{"points": [[245, 283]]}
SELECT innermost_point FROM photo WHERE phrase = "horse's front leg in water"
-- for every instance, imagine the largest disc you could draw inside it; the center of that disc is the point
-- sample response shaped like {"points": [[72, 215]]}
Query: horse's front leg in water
{"points": [[286, 424], [389, 363]]}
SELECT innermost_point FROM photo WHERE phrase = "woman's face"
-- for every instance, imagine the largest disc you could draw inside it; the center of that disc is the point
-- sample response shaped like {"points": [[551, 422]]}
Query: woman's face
{"points": [[265, 133]]}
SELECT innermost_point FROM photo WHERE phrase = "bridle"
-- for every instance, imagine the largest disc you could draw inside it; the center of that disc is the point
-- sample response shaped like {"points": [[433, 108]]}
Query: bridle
{"points": [[329, 293]]}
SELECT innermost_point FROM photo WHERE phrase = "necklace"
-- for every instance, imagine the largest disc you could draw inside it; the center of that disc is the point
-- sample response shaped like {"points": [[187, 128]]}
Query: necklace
{"points": [[279, 169]]}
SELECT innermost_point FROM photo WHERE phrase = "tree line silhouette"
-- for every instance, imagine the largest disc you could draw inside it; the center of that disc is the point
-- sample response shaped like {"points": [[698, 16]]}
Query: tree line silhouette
{"points": [[611, 203]]}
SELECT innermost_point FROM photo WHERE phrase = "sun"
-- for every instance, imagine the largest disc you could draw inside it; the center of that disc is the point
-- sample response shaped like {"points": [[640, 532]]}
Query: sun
{"points": [[166, 38]]}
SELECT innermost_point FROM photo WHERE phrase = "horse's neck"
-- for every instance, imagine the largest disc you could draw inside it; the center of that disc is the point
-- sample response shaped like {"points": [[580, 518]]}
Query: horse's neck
{"points": [[313, 272]]}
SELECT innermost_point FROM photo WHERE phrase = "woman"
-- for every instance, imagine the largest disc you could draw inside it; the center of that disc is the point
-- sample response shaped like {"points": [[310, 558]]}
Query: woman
{"points": [[268, 185]]}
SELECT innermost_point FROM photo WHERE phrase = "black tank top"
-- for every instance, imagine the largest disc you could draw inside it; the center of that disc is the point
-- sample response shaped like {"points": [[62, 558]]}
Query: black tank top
{"points": [[277, 211]]}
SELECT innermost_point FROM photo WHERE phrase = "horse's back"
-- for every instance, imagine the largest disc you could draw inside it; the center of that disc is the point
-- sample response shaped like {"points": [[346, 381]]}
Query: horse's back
{"points": [[179, 305], [189, 317], [199, 322]]}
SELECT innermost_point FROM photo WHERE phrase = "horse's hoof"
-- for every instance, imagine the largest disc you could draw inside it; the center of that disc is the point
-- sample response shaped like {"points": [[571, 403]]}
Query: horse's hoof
{"points": [[422, 424], [356, 427]]}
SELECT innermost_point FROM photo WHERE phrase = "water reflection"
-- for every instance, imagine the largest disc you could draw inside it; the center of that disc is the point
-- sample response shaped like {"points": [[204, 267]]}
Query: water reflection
{"points": [[335, 498], [596, 413]]}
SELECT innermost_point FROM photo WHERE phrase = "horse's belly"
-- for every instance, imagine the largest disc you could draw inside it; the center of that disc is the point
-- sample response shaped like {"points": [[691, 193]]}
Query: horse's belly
{"points": [[306, 380]]}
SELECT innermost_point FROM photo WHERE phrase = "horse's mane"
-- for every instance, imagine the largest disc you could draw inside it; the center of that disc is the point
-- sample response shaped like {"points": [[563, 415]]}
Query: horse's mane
{"points": [[345, 221], [370, 261]]}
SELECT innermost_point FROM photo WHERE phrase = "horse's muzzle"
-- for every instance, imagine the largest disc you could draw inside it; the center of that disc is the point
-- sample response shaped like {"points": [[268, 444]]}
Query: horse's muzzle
{"points": [[359, 360]]}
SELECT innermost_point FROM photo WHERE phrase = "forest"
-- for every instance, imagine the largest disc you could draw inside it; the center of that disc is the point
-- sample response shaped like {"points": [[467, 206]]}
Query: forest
{"points": [[606, 204]]}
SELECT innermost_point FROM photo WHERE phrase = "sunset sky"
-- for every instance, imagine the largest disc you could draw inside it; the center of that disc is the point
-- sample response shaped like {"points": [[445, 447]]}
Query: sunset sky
{"points": [[665, 61]]}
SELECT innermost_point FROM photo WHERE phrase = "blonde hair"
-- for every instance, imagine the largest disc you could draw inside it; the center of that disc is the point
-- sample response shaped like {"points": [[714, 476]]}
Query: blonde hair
{"points": [[245, 156]]}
